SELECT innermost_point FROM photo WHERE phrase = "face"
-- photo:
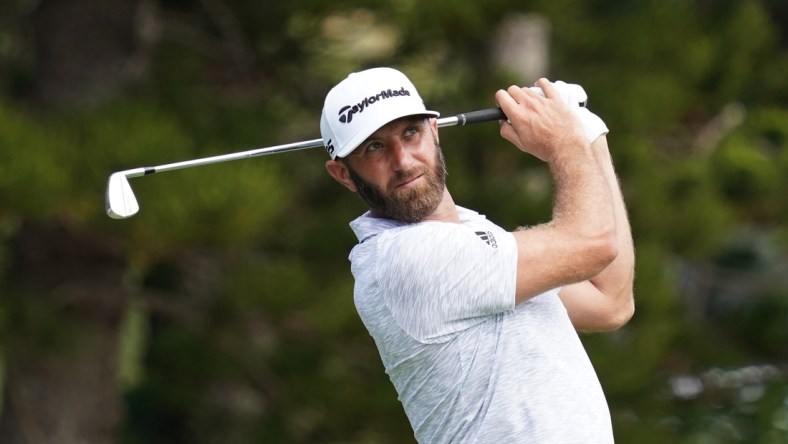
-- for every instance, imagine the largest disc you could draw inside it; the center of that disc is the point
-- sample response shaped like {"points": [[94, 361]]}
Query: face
{"points": [[399, 171]]}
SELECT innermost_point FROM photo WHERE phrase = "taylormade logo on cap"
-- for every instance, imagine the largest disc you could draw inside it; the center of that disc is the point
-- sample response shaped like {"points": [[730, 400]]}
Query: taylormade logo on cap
{"points": [[363, 103], [347, 111]]}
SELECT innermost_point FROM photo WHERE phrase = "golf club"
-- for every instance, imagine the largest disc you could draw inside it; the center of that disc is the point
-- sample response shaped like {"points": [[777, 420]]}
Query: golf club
{"points": [[121, 202]]}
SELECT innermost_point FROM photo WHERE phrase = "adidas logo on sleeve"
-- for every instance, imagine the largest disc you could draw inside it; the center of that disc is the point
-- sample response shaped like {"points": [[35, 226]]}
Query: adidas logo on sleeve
{"points": [[488, 237]]}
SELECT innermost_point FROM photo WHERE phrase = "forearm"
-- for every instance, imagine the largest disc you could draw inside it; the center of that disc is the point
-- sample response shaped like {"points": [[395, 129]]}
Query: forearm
{"points": [[616, 280], [579, 242], [584, 206]]}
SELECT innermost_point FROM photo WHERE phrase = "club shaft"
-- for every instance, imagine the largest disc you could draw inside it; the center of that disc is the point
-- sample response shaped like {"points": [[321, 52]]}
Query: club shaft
{"points": [[145, 171], [485, 115]]}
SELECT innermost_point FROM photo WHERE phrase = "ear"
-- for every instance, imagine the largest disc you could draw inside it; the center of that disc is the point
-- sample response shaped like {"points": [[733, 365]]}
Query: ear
{"points": [[340, 173], [434, 128]]}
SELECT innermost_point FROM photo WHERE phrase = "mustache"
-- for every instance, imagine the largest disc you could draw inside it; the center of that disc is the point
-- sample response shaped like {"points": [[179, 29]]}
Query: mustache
{"points": [[406, 176]]}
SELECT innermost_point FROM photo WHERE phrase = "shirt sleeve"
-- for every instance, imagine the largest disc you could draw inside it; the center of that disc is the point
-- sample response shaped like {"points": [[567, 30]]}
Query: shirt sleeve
{"points": [[439, 279]]}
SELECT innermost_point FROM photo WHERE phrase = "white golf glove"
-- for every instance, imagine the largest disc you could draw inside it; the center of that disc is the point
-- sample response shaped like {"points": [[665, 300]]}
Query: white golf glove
{"points": [[576, 97]]}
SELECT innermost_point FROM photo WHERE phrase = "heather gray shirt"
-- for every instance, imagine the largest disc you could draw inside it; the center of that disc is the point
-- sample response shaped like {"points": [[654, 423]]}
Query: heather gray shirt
{"points": [[468, 364]]}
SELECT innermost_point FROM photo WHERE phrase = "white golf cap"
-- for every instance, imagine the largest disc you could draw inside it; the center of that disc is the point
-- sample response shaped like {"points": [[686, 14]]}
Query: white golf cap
{"points": [[363, 103]]}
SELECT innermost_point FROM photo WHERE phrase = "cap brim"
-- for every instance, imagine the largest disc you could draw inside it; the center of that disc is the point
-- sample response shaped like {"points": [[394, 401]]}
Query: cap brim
{"points": [[361, 136]]}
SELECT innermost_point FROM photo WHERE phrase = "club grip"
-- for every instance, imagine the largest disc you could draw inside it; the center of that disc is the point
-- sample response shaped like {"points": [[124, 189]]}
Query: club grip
{"points": [[482, 115]]}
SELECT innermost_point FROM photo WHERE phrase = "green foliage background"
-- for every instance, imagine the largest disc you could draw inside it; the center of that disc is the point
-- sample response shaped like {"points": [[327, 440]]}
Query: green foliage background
{"points": [[237, 322]]}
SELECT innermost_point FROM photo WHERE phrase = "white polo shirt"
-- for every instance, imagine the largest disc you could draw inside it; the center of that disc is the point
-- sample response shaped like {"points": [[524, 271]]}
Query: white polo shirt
{"points": [[468, 364]]}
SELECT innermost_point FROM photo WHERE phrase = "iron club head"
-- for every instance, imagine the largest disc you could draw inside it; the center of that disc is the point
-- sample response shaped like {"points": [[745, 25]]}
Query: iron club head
{"points": [[120, 201]]}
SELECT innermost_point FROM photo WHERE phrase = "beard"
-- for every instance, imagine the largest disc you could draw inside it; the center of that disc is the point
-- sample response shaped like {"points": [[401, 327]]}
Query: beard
{"points": [[410, 205]]}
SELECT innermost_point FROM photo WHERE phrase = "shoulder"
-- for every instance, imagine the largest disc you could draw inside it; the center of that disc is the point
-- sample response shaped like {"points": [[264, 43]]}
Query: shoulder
{"points": [[428, 239], [437, 250], [428, 251]]}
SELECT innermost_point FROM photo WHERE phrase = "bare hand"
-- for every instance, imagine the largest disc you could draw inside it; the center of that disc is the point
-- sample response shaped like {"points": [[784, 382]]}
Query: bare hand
{"points": [[544, 127]]}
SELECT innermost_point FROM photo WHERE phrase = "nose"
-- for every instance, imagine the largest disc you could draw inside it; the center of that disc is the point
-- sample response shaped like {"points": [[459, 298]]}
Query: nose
{"points": [[400, 155]]}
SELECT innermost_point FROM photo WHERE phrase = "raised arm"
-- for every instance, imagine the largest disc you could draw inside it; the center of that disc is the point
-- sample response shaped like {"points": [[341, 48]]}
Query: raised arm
{"points": [[582, 240], [606, 302]]}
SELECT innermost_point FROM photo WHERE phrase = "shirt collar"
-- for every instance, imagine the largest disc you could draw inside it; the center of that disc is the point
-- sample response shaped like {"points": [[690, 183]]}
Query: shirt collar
{"points": [[366, 225]]}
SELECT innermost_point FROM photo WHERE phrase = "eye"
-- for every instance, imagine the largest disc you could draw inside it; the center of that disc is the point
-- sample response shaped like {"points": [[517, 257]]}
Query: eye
{"points": [[411, 130], [373, 146]]}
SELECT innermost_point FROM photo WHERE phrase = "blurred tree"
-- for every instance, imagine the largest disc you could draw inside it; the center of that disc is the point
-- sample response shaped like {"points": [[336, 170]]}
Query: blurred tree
{"points": [[64, 305], [89, 50]]}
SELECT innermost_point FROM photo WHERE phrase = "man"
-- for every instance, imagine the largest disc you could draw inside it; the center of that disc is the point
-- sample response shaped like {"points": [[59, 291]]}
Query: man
{"points": [[476, 326]]}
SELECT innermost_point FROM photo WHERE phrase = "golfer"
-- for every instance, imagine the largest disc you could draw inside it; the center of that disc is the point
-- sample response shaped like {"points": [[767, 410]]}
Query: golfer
{"points": [[476, 325]]}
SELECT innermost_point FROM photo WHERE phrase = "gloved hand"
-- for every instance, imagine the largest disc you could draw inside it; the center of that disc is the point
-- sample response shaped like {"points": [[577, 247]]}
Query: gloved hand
{"points": [[575, 96]]}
